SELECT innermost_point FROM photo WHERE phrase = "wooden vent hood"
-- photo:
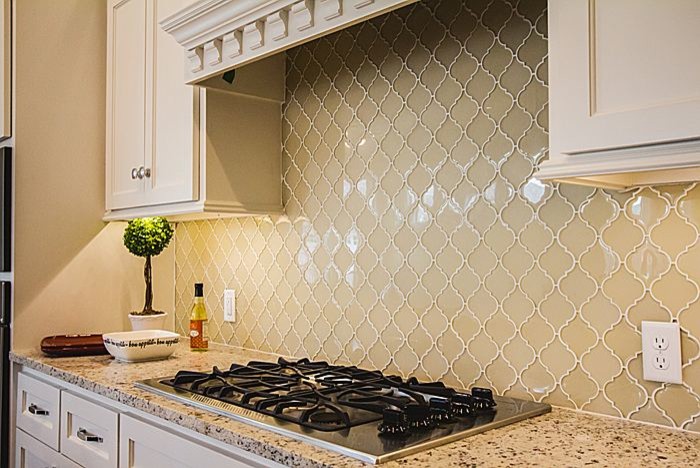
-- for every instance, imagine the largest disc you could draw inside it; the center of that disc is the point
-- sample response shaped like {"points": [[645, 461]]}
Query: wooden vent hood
{"points": [[221, 35]]}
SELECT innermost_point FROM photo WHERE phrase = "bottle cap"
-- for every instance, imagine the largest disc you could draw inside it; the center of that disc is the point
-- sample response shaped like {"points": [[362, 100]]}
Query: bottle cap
{"points": [[198, 290]]}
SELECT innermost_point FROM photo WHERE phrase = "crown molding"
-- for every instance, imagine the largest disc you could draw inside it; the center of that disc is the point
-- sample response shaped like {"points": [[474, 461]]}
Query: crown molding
{"points": [[220, 35]]}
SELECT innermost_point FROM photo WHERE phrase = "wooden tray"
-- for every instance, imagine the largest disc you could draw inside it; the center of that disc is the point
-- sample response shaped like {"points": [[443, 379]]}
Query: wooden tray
{"points": [[73, 345]]}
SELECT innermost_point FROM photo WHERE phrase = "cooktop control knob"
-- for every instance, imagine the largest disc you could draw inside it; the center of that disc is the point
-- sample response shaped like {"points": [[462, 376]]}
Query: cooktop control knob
{"points": [[419, 416], [441, 409], [394, 423], [482, 398], [462, 405]]}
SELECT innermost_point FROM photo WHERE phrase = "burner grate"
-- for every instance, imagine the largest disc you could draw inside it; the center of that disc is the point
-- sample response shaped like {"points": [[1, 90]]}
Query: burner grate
{"points": [[303, 392], [317, 395]]}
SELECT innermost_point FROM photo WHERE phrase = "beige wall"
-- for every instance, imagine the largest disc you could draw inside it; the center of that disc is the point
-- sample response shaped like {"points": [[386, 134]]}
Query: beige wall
{"points": [[72, 274], [416, 241]]}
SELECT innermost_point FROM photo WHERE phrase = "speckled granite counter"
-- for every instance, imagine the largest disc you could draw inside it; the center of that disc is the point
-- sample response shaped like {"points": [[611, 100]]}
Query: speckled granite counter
{"points": [[561, 438]]}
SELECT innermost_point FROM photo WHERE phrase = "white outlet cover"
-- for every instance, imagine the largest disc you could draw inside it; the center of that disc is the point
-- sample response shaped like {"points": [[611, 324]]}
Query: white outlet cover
{"points": [[670, 334], [229, 305]]}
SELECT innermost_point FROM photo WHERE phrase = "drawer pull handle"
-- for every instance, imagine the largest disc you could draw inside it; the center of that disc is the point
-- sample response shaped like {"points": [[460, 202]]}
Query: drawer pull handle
{"points": [[34, 409], [84, 435]]}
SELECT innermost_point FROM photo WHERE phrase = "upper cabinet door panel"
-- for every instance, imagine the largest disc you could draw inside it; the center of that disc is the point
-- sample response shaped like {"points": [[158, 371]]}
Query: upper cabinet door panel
{"points": [[175, 163], [623, 73], [5, 69], [624, 79], [126, 110]]}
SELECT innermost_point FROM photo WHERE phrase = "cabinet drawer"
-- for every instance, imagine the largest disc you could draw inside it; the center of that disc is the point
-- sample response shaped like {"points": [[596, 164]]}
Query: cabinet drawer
{"points": [[30, 453], [38, 409], [88, 432], [143, 445]]}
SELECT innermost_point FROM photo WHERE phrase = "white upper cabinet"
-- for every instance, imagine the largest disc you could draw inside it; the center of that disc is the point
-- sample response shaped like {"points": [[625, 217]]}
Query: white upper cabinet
{"points": [[180, 150], [624, 88], [175, 146], [126, 116]]}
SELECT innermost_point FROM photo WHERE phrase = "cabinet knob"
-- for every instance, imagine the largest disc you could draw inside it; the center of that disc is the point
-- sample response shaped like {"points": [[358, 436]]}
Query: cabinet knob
{"points": [[134, 173], [143, 172]]}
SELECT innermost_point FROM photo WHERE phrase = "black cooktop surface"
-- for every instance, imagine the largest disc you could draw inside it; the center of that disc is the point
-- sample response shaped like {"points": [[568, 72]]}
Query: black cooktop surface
{"points": [[358, 412], [324, 397]]}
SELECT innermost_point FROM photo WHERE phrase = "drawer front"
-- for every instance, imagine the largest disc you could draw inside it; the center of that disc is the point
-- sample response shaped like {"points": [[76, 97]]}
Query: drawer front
{"points": [[38, 409], [30, 453], [88, 432], [143, 445]]}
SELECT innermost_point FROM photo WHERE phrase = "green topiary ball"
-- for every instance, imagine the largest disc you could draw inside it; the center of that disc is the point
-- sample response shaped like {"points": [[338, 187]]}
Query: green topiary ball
{"points": [[147, 237]]}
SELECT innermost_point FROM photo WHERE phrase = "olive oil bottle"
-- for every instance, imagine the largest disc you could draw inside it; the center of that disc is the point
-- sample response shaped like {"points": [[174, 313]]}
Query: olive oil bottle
{"points": [[199, 336]]}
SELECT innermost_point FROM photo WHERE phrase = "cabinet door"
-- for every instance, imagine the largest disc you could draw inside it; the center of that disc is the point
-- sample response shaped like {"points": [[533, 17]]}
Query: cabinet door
{"points": [[127, 117], [5, 70], [142, 445], [175, 144], [30, 453], [622, 73]]}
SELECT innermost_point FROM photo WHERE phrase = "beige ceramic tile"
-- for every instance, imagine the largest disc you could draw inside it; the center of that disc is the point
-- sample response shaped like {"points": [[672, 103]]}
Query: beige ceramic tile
{"points": [[416, 241]]}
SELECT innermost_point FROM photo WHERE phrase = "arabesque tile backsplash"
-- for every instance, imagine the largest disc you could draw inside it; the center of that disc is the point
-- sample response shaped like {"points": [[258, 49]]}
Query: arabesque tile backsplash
{"points": [[417, 242]]}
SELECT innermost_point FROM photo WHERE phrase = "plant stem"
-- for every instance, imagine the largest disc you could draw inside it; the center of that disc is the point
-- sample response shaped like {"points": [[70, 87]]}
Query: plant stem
{"points": [[148, 276]]}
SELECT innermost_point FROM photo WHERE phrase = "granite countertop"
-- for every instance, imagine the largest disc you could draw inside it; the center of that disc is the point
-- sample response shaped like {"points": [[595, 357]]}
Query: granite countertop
{"points": [[561, 438]]}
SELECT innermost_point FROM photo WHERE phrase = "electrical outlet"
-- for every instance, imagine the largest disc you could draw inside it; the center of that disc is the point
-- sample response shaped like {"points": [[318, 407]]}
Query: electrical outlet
{"points": [[659, 342], [660, 362], [229, 305], [661, 352]]}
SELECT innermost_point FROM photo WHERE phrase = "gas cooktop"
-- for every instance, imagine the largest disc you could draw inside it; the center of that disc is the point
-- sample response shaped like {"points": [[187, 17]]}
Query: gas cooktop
{"points": [[361, 413]]}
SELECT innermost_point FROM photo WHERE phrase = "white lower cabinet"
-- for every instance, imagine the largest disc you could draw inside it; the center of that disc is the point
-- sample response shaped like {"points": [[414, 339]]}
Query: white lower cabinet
{"points": [[62, 426], [142, 445], [30, 453]]}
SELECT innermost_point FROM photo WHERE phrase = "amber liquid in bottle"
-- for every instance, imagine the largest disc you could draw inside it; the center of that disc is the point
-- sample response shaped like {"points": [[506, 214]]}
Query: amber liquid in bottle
{"points": [[199, 336]]}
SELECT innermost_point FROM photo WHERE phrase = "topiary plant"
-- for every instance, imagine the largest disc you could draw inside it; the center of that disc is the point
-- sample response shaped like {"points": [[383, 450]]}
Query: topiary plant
{"points": [[147, 237]]}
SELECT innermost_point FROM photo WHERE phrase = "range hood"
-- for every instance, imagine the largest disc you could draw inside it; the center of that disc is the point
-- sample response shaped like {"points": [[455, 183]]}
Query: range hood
{"points": [[221, 35]]}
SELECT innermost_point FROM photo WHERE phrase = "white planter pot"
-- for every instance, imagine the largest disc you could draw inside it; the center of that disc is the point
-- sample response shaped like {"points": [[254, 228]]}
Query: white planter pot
{"points": [[147, 322]]}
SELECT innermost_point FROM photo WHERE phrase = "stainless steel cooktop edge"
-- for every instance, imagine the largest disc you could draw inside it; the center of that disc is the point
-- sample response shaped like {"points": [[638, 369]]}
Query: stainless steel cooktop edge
{"points": [[509, 410]]}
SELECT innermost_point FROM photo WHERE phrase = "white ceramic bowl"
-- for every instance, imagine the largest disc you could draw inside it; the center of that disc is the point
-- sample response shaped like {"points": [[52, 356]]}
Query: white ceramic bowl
{"points": [[142, 345]]}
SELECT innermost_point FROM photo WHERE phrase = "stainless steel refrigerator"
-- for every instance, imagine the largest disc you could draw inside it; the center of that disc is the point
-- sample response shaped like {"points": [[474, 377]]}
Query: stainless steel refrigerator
{"points": [[5, 300]]}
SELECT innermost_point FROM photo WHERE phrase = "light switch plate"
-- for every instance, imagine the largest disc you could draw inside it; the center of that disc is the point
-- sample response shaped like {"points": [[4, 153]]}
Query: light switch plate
{"points": [[661, 351], [229, 305]]}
